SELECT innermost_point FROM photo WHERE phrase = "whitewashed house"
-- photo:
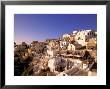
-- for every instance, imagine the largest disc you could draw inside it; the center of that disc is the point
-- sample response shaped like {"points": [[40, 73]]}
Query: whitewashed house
{"points": [[66, 35], [74, 32], [71, 47], [51, 53], [51, 64], [52, 49], [83, 36], [63, 43], [54, 62], [74, 46]]}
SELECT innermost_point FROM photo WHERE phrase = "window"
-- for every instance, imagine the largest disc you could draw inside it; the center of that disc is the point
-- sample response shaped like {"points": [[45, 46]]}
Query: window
{"points": [[79, 38]]}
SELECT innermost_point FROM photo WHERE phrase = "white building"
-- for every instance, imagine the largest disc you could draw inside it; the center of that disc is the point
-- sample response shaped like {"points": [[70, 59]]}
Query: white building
{"points": [[51, 64], [52, 49], [74, 46], [63, 43], [83, 36], [54, 62], [71, 47], [66, 35], [51, 53], [74, 32]]}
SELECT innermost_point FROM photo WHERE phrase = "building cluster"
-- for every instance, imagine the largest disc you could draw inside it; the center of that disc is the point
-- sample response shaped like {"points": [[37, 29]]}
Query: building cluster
{"points": [[70, 55]]}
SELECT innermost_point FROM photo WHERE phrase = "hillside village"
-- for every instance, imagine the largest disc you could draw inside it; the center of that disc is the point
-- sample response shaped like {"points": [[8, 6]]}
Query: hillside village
{"points": [[72, 54]]}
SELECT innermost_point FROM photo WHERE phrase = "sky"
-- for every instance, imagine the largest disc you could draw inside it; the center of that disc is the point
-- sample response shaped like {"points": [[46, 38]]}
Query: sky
{"points": [[38, 27]]}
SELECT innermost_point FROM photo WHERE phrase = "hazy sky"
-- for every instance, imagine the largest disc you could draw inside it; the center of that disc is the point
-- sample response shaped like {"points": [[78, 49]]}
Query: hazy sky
{"points": [[29, 27]]}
